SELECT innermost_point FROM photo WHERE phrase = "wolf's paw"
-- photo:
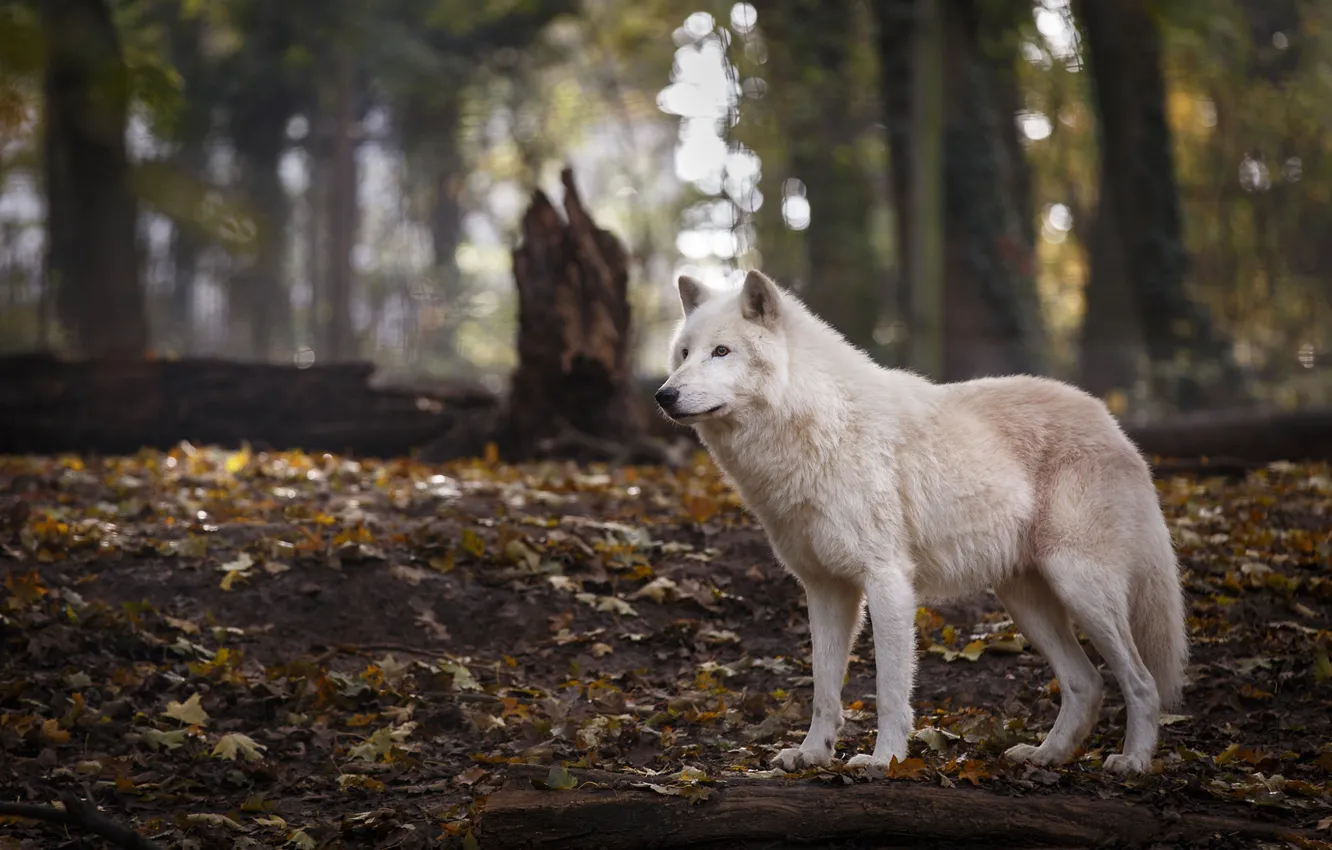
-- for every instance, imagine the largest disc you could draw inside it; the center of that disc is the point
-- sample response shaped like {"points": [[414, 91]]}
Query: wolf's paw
{"points": [[793, 759], [1127, 765], [867, 760], [1029, 754]]}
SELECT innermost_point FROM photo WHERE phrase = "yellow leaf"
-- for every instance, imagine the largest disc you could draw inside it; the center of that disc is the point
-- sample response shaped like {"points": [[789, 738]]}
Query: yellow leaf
{"points": [[492, 454], [472, 543], [913, 768], [559, 779], [236, 569], [940, 649], [973, 650], [1322, 667], [233, 744], [238, 460], [52, 732], [358, 780], [189, 711], [462, 677]]}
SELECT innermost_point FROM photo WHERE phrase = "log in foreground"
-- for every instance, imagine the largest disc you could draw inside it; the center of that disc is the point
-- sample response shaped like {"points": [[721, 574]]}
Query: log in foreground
{"points": [[887, 813]]}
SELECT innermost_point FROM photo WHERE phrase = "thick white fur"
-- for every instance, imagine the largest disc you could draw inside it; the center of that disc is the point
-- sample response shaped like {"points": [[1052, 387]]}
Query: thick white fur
{"points": [[879, 490]]}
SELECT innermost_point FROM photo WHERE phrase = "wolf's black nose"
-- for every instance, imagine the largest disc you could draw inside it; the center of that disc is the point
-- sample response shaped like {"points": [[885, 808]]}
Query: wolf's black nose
{"points": [[667, 396]]}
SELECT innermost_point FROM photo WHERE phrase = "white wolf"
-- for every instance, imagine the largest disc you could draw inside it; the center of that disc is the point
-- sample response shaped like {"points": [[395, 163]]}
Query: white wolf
{"points": [[878, 486]]}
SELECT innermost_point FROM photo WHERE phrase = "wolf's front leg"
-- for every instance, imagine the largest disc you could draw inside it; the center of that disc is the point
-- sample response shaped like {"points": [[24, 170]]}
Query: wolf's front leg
{"points": [[892, 610], [834, 618]]}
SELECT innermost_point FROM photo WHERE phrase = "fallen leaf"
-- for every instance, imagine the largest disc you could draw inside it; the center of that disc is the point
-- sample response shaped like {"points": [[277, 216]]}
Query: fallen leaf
{"points": [[189, 712], [234, 743], [973, 650], [912, 768], [936, 739], [659, 590], [472, 543], [559, 779], [471, 776], [52, 733], [973, 770], [462, 677], [169, 740], [1322, 667], [360, 780]]}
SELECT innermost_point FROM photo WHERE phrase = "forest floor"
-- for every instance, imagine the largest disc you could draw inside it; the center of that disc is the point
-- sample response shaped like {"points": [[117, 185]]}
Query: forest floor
{"points": [[234, 649]]}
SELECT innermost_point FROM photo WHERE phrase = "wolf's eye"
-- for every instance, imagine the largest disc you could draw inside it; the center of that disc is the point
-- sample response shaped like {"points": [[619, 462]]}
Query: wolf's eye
{"points": [[720, 351], [684, 354]]}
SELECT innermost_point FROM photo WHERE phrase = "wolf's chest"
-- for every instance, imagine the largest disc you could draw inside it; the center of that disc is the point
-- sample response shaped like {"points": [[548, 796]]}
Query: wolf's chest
{"points": [[811, 540]]}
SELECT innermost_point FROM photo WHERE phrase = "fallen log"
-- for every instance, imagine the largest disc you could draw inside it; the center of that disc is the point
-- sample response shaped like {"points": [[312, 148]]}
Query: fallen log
{"points": [[48, 405], [1256, 436], [886, 813]]}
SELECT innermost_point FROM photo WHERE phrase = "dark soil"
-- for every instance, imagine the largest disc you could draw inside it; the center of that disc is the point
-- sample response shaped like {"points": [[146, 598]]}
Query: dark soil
{"points": [[381, 638]]}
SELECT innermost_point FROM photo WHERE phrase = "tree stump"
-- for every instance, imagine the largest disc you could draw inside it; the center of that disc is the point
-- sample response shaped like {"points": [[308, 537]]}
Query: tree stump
{"points": [[573, 375]]}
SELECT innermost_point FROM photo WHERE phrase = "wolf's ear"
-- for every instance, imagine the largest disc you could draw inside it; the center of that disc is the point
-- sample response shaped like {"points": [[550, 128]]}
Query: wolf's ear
{"points": [[759, 299], [692, 293]]}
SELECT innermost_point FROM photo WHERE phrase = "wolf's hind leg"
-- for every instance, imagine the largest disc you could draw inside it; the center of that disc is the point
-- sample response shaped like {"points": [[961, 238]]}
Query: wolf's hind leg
{"points": [[1043, 620], [1096, 594]]}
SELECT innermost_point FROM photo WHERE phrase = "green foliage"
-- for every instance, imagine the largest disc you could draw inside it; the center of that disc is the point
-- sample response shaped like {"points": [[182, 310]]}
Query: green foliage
{"points": [[21, 58]]}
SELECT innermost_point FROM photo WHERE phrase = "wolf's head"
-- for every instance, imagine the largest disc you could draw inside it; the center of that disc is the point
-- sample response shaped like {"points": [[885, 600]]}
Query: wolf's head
{"points": [[728, 351]]}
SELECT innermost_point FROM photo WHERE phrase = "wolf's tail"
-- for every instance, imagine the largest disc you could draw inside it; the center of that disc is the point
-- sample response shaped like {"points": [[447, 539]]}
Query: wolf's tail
{"points": [[1156, 614]]}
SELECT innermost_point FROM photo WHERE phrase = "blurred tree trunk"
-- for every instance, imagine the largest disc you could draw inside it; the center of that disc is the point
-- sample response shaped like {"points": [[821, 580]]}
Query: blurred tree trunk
{"points": [[991, 318], [446, 173], [186, 248], [993, 323], [339, 342], [1111, 336], [265, 301], [827, 121], [188, 167], [92, 214], [1001, 48], [896, 32], [188, 238], [574, 373], [1191, 360], [315, 204]]}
